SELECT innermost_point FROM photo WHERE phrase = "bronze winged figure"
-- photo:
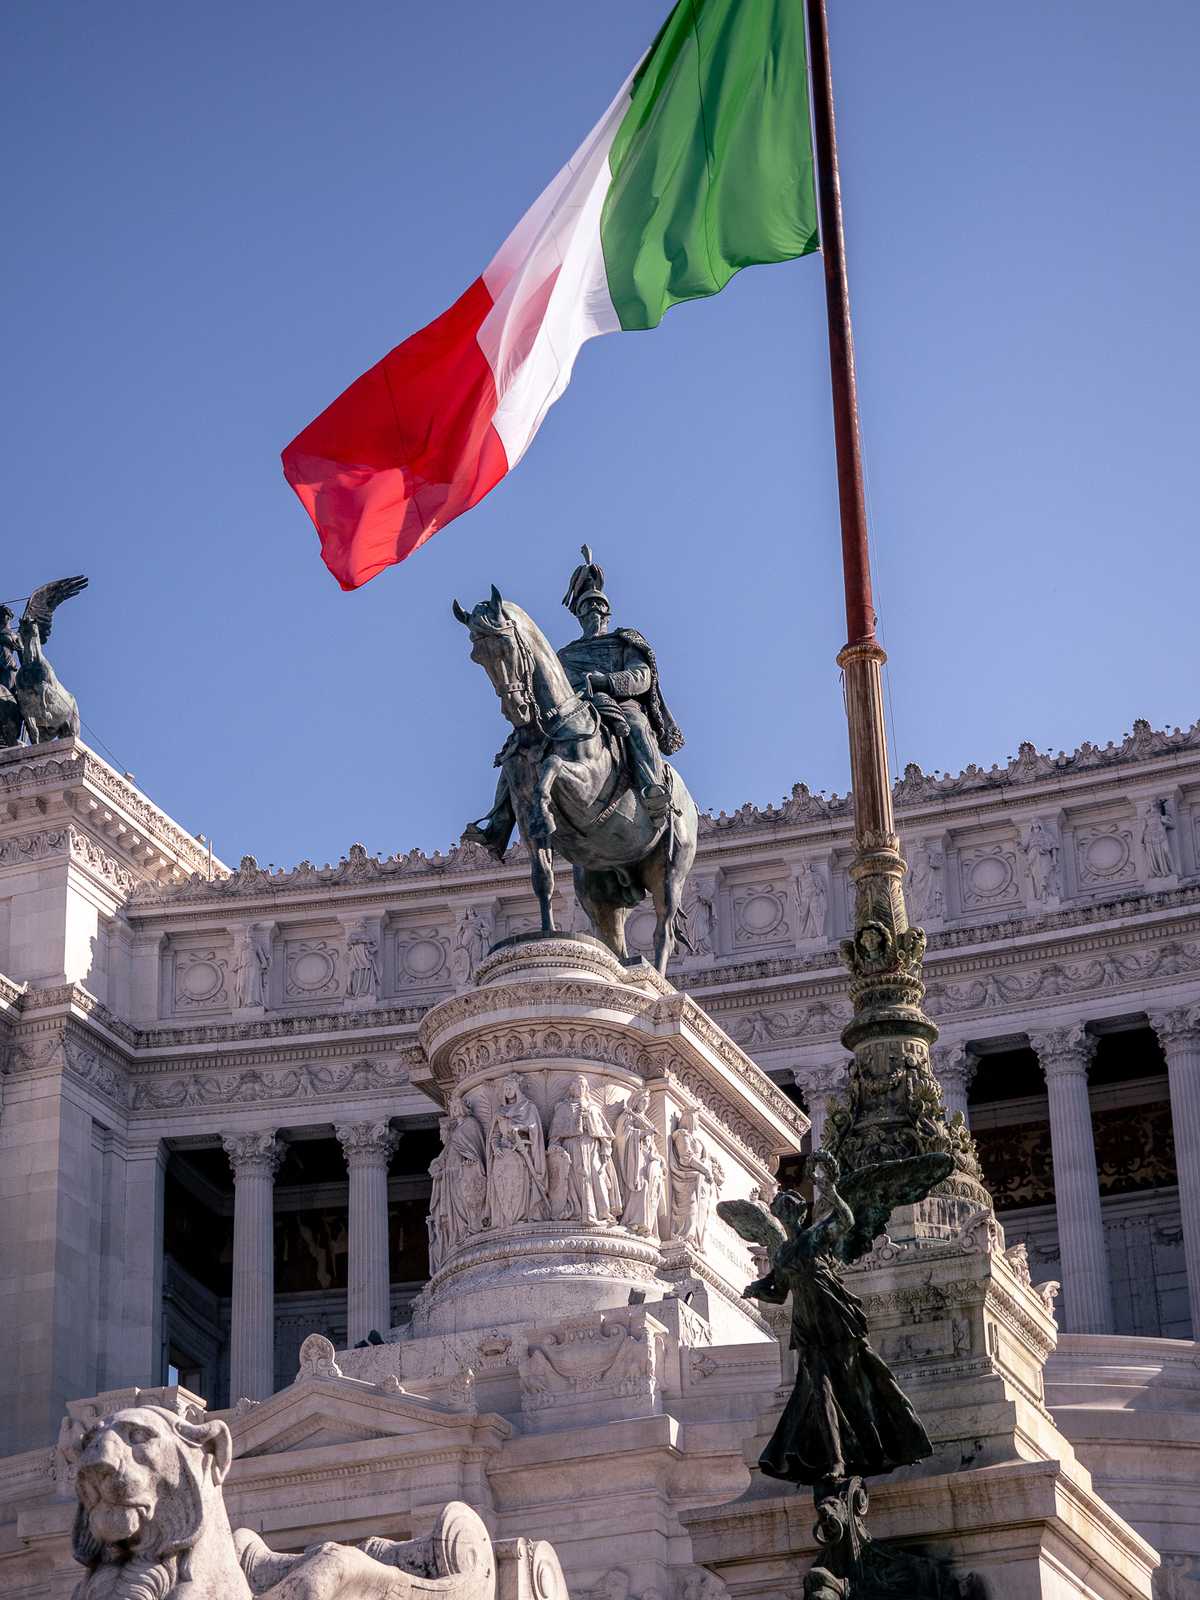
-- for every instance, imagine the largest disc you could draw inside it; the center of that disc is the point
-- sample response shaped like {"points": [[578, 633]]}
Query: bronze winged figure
{"points": [[46, 709], [847, 1416]]}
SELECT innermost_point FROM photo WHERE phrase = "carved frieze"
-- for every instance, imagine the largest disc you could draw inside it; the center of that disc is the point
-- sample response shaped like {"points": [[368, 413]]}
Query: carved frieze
{"points": [[1104, 855], [199, 979], [987, 877], [422, 958], [311, 970], [760, 914], [302, 1083]]}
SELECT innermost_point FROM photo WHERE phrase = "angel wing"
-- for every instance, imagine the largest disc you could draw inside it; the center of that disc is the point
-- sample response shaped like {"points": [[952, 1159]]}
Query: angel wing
{"points": [[43, 602], [874, 1192], [754, 1222]]}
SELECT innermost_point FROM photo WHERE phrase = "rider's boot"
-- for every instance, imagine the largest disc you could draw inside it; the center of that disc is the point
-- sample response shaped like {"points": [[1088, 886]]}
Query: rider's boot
{"points": [[649, 773]]}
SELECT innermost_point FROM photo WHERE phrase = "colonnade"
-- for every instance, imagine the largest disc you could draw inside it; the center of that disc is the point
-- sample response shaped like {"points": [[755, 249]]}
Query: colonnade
{"points": [[1065, 1054], [255, 1159]]}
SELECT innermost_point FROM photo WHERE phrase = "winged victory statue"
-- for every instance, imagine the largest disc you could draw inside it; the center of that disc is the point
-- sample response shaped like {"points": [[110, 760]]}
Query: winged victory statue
{"points": [[32, 700]]}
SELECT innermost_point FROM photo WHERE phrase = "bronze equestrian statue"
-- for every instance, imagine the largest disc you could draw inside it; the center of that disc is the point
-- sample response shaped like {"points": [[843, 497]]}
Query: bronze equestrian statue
{"points": [[583, 770]]}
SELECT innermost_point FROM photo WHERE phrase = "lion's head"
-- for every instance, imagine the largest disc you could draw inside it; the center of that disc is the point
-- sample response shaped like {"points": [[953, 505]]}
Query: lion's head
{"points": [[145, 1481]]}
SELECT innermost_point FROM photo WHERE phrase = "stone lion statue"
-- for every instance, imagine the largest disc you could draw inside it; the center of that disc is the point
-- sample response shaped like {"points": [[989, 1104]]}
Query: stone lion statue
{"points": [[152, 1525]]}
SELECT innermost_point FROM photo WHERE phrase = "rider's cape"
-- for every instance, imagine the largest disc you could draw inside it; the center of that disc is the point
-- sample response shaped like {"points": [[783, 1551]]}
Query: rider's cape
{"points": [[666, 729]]}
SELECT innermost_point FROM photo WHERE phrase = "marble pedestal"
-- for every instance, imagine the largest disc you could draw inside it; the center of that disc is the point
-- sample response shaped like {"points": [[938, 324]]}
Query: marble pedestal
{"points": [[544, 1013]]}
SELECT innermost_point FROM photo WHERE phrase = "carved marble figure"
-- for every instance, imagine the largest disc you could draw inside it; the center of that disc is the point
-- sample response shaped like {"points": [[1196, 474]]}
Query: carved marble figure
{"points": [[580, 1128], [472, 940], [45, 709], [924, 885], [466, 1172], [1157, 827], [151, 1524], [702, 916], [253, 965], [362, 954], [517, 1189], [1041, 857], [696, 1179], [812, 902], [582, 772], [640, 1164]]}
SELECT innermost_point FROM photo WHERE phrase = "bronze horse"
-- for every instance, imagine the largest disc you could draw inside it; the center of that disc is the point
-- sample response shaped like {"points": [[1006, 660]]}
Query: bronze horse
{"points": [[565, 785]]}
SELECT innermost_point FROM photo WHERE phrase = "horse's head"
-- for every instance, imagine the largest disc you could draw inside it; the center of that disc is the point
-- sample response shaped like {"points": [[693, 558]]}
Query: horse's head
{"points": [[498, 646]]}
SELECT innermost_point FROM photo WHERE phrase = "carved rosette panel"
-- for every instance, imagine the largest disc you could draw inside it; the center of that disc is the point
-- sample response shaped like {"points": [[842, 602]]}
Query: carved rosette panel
{"points": [[311, 970], [200, 980], [422, 958], [1104, 855], [760, 915], [988, 878]]}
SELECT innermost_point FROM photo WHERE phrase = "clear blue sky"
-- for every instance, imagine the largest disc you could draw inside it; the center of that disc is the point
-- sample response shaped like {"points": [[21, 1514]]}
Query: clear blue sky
{"points": [[217, 215]]}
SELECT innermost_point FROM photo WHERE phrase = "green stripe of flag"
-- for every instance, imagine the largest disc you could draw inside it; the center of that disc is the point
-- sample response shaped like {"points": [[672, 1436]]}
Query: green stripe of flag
{"points": [[712, 168]]}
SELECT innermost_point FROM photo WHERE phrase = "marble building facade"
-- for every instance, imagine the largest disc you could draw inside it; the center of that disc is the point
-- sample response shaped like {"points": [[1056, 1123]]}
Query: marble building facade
{"points": [[216, 1137]]}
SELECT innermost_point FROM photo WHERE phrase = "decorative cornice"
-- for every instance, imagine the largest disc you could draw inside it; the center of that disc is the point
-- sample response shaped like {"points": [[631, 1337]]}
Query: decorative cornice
{"points": [[802, 808]]}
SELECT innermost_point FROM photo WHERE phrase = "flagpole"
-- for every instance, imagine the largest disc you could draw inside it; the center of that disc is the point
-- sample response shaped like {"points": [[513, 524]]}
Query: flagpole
{"points": [[889, 1034]]}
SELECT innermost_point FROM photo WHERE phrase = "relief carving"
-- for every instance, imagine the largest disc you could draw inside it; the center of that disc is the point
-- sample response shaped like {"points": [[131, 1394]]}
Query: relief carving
{"points": [[594, 1357], [1157, 826], [252, 964], [517, 1181], [362, 962], [474, 936], [1040, 849], [587, 1182], [924, 883], [812, 901], [640, 1163], [696, 1179]]}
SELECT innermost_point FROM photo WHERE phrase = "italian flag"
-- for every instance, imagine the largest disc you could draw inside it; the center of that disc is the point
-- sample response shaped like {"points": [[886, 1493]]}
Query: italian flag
{"points": [[702, 165]]}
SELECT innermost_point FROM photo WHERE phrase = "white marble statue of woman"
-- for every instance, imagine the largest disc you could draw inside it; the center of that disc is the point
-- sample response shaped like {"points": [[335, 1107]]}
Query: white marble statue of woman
{"points": [[362, 952], [580, 1127], [466, 1174], [695, 1181], [439, 1208], [516, 1179], [812, 902], [920, 879], [1156, 839], [640, 1165], [1041, 857], [253, 965]]}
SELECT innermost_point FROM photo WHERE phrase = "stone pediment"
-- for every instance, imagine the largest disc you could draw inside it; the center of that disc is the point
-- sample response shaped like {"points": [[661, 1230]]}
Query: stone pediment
{"points": [[318, 1412]]}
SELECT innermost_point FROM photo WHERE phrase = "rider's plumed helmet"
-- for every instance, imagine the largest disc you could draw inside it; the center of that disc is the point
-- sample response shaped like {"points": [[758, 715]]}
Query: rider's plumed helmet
{"points": [[587, 583]]}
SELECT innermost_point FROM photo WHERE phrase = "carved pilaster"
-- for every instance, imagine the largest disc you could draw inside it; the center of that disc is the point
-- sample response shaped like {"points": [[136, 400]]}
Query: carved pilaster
{"points": [[1178, 1031], [1065, 1055], [255, 1159], [820, 1086], [368, 1148]]}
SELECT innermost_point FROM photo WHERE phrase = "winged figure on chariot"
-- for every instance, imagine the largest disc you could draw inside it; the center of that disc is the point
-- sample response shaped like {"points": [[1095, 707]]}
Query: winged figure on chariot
{"points": [[32, 700]]}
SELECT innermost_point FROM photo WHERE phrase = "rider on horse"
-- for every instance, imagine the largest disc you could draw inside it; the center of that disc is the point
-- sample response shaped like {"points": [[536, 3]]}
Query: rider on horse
{"points": [[618, 673]]}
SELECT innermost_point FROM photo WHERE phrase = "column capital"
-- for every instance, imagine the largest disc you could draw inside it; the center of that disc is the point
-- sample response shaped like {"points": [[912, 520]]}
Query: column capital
{"points": [[253, 1153], [956, 1063], [822, 1081], [1178, 1026], [367, 1144], [1064, 1052]]}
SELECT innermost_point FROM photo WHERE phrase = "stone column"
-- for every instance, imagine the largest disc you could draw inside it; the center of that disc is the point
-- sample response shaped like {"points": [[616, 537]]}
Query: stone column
{"points": [[368, 1147], [954, 1067], [1179, 1035], [255, 1159], [1064, 1054], [820, 1086]]}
